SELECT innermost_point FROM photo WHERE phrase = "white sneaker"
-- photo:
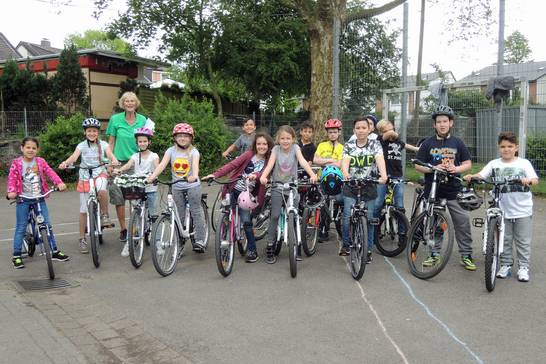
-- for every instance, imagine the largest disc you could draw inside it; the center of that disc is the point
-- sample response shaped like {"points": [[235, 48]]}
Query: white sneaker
{"points": [[125, 251], [504, 271], [523, 274]]}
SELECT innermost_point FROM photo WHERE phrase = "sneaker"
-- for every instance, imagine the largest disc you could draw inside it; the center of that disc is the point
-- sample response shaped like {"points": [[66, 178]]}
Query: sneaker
{"points": [[523, 274], [123, 235], [199, 246], [369, 257], [125, 250], [105, 221], [270, 257], [59, 256], [18, 262], [504, 271], [251, 256], [468, 263], [432, 260], [344, 251], [83, 246]]}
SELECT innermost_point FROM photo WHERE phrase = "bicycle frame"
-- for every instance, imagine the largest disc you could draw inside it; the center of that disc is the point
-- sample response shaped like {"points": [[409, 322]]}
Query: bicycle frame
{"points": [[287, 208]]}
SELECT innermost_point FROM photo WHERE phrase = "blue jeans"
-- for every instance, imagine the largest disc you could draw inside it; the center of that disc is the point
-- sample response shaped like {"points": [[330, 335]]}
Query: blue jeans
{"points": [[348, 203], [245, 218], [398, 200], [21, 212], [151, 198]]}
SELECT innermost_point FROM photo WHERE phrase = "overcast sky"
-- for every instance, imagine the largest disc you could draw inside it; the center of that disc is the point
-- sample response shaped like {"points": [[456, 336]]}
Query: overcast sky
{"points": [[32, 20]]}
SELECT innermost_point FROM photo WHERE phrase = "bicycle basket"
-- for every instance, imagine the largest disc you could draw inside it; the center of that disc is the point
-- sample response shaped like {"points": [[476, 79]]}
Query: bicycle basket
{"points": [[132, 187], [133, 192]]}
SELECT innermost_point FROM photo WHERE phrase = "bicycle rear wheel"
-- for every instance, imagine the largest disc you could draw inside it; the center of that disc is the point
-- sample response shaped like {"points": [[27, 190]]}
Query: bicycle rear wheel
{"points": [[491, 254], [388, 239], [224, 247], [311, 224], [261, 219], [215, 210], [29, 242], [359, 247], [430, 241], [47, 250], [135, 236], [93, 233], [165, 245], [292, 244]]}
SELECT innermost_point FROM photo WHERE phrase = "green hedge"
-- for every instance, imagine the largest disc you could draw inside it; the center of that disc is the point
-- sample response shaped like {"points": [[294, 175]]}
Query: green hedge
{"points": [[536, 152]]}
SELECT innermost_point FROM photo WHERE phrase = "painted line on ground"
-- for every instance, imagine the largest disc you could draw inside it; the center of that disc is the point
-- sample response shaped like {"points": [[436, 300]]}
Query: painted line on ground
{"points": [[432, 315]]}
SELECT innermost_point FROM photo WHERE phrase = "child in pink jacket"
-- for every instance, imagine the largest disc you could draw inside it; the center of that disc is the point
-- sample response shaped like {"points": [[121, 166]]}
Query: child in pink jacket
{"points": [[26, 180]]}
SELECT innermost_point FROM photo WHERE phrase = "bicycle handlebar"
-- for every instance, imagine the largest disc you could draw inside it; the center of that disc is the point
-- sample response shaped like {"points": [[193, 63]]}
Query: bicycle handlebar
{"points": [[481, 181], [434, 168], [171, 182], [80, 166], [44, 195]]}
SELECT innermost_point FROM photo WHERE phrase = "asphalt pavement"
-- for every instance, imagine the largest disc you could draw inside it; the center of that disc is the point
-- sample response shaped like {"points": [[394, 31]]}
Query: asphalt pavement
{"points": [[259, 314]]}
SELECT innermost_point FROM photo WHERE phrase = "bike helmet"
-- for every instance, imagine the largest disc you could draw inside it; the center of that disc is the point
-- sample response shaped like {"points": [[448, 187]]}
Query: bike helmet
{"points": [[469, 200], [331, 180], [144, 132], [313, 197], [333, 124], [443, 110], [91, 123], [246, 201], [183, 128]]}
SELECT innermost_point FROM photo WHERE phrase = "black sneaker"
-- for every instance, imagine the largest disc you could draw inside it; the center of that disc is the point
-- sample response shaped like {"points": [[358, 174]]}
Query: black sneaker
{"points": [[123, 235], [344, 251], [59, 256], [251, 256], [369, 257], [17, 262], [270, 257]]}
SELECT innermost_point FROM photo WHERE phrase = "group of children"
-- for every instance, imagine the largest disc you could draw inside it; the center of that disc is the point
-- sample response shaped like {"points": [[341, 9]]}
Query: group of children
{"points": [[365, 154]]}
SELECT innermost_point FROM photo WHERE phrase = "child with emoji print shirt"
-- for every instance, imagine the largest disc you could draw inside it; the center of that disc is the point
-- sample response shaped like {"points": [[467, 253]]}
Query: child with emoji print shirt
{"points": [[184, 160]]}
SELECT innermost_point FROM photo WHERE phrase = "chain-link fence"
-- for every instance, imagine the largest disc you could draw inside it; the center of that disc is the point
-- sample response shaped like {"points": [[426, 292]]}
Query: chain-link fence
{"points": [[18, 124], [265, 122]]}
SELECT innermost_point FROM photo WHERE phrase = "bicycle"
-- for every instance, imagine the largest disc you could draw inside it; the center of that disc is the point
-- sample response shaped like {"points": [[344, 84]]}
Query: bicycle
{"points": [[140, 222], [94, 227], [230, 232], [358, 227], [38, 232], [310, 207], [169, 233], [431, 235], [493, 232], [289, 226], [388, 239]]}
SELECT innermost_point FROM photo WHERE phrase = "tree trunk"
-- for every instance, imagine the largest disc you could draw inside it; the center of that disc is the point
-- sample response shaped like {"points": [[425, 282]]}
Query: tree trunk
{"points": [[320, 103]]}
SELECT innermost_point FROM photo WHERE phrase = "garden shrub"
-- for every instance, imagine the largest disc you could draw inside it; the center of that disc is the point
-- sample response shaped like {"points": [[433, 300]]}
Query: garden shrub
{"points": [[536, 152]]}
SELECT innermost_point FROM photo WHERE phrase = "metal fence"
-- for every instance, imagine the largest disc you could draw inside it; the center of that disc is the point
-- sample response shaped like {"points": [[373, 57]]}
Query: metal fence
{"points": [[18, 124]]}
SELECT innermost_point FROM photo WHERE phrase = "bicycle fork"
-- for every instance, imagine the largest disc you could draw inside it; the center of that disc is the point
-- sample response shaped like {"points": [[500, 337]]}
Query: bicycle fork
{"points": [[494, 213]]}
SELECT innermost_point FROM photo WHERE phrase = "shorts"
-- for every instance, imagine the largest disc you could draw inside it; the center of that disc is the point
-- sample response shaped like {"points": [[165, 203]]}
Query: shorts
{"points": [[101, 184]]}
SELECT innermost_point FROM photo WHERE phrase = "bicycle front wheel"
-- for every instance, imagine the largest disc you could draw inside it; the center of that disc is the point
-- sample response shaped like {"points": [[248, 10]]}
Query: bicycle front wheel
{"points": [[292, 244], [261, 219], [224, 248], [359, 246], [389, 240], [135, 236], [47, 249], [207, 221], [165, 245], [93, 233], [491, 254], [215, 210], [309, 236], [430, 241]]}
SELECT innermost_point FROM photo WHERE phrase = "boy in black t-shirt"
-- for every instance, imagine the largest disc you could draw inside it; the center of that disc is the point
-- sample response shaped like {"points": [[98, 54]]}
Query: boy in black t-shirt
{"points": [[451, 154], [306, 144]]}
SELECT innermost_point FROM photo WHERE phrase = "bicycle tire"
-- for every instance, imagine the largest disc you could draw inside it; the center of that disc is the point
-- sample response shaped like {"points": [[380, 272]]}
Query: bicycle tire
{"points": [[311, 225], [47, 249], [207, 221], [164, 248], [242, 243], [135, 237], [225, 255], [418, 251], [292, 244], [93, 234], [390, 243], [491, 254], [261, 219], [29, 243], [359, 247], [213, 212]]}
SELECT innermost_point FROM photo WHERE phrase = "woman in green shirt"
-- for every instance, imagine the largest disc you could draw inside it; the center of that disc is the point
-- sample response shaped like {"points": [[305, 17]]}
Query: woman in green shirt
{"points": [[120, 131]]}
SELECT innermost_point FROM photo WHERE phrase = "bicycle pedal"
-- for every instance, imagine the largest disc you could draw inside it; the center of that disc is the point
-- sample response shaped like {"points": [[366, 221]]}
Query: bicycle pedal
{"points": [[478, 222]]}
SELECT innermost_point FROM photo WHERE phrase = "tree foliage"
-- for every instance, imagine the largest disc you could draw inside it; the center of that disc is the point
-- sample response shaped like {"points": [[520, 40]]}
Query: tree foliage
{"points": [[99, 39], [69, 86], [516, 48]]}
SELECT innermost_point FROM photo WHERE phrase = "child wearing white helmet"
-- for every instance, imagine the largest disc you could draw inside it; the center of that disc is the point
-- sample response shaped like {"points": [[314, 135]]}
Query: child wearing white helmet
{"points": [[93, 152], [183, 158], [144, 163]]}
